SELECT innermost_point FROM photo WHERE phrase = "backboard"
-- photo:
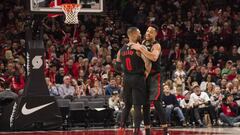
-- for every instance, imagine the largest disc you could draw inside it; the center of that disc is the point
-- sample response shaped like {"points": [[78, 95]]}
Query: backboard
{"points": [[48, 6]]}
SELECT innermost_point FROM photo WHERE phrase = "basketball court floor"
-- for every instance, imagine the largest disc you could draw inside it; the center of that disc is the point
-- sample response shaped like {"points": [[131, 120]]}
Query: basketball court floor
{"points": [[155, 131]]}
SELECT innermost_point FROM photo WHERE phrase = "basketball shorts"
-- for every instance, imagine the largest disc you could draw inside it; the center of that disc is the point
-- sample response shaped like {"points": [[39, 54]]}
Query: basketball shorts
{"points": [[134, 89], [154, 87]]}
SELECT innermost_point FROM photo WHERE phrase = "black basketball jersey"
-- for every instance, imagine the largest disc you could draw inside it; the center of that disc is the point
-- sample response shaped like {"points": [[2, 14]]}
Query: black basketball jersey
{"points": [[132, 63], [156, 66]]}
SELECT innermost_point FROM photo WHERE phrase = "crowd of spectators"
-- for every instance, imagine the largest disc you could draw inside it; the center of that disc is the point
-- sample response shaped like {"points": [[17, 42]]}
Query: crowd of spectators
{"points": [[200, 42]]}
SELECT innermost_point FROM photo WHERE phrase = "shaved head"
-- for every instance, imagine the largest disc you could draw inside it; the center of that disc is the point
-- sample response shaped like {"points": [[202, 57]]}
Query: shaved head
{"points": [[132, 30], [134, 34]]}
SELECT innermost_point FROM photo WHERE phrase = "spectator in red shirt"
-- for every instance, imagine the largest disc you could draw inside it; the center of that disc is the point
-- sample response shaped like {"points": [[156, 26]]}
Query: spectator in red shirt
{"points": [[229, 111], [78, 63], [179, 93], [233, 74], [210, 68], [69, 69], [68, 54], [177, 54], [165, 33], [51, 73], [17, 82]]}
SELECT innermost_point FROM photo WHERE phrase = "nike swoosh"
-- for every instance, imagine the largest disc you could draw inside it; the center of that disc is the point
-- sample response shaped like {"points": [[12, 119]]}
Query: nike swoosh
{"points": [[26, 111]]}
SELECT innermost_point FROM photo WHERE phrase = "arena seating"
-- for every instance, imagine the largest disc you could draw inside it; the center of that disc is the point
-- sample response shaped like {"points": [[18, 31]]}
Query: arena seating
{"points": [[86, 112]]}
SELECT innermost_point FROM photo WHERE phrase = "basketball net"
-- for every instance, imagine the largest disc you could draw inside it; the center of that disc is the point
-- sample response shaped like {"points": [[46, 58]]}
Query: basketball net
{"points": [[71, 12]]}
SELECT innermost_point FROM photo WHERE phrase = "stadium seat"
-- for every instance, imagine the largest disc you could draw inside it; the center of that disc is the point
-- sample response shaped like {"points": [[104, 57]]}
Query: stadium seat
{"points": [[84, 100], [98, 100], [100, 114], [58, 97], [63, 105], [86, 97], [78, 114], [63, 102], [102, 97], [76, 106], [96, 104]]}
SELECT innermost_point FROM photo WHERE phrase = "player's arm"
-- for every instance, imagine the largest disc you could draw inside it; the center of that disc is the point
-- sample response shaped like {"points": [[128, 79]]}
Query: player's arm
{"points": [[117, 65], [147, 62], [151, 55]]}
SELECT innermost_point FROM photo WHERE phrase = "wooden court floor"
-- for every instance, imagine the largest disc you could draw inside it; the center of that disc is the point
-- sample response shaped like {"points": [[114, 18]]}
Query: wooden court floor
{"points": [[155, 131]]}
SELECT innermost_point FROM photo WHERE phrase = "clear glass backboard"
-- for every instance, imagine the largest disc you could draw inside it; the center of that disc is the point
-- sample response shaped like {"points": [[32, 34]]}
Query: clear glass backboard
{"points": [[48, 6]]}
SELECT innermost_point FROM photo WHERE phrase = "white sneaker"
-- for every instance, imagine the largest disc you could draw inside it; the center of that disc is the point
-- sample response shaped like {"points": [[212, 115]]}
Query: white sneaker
{"points": [[220, 123], [237, 124]]}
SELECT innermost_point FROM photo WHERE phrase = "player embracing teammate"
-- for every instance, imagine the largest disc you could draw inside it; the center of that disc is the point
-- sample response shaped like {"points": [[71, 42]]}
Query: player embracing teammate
{"points": [[135, 68], [154, 90], [151, 50]]}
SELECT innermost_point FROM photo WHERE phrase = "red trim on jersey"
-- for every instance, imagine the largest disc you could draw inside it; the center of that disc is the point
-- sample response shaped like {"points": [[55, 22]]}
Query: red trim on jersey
{"points": [[159, 87]]}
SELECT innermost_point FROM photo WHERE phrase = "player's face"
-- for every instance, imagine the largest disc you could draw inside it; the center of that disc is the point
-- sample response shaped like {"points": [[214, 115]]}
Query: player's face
{"points": [[138, 36], [151, 33]]}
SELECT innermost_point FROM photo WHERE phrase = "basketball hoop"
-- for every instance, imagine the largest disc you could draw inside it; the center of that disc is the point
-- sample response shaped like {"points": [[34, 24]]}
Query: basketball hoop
{"points": [[71, 13]]}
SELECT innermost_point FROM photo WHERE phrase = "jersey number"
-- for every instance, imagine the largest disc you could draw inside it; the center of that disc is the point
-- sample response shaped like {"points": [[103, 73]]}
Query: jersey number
{"points": [[128, 64]]}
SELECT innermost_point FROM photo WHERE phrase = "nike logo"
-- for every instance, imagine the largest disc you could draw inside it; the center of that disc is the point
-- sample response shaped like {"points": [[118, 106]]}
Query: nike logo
{"points": [[26, 111]]}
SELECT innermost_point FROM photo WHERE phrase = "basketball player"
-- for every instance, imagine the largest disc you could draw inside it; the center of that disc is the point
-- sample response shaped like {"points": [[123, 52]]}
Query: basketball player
{"points": [[153, 81], [133, 65]]}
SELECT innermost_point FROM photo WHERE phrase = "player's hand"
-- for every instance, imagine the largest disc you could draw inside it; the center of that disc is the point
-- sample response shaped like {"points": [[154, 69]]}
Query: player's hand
{"points": [[146, 74], [136, 47]]}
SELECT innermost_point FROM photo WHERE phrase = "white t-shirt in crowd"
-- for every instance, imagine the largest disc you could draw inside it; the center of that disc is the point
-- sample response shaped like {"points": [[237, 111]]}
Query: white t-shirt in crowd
{"points": [[183, 103], [202, 98], [203, 85]]}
